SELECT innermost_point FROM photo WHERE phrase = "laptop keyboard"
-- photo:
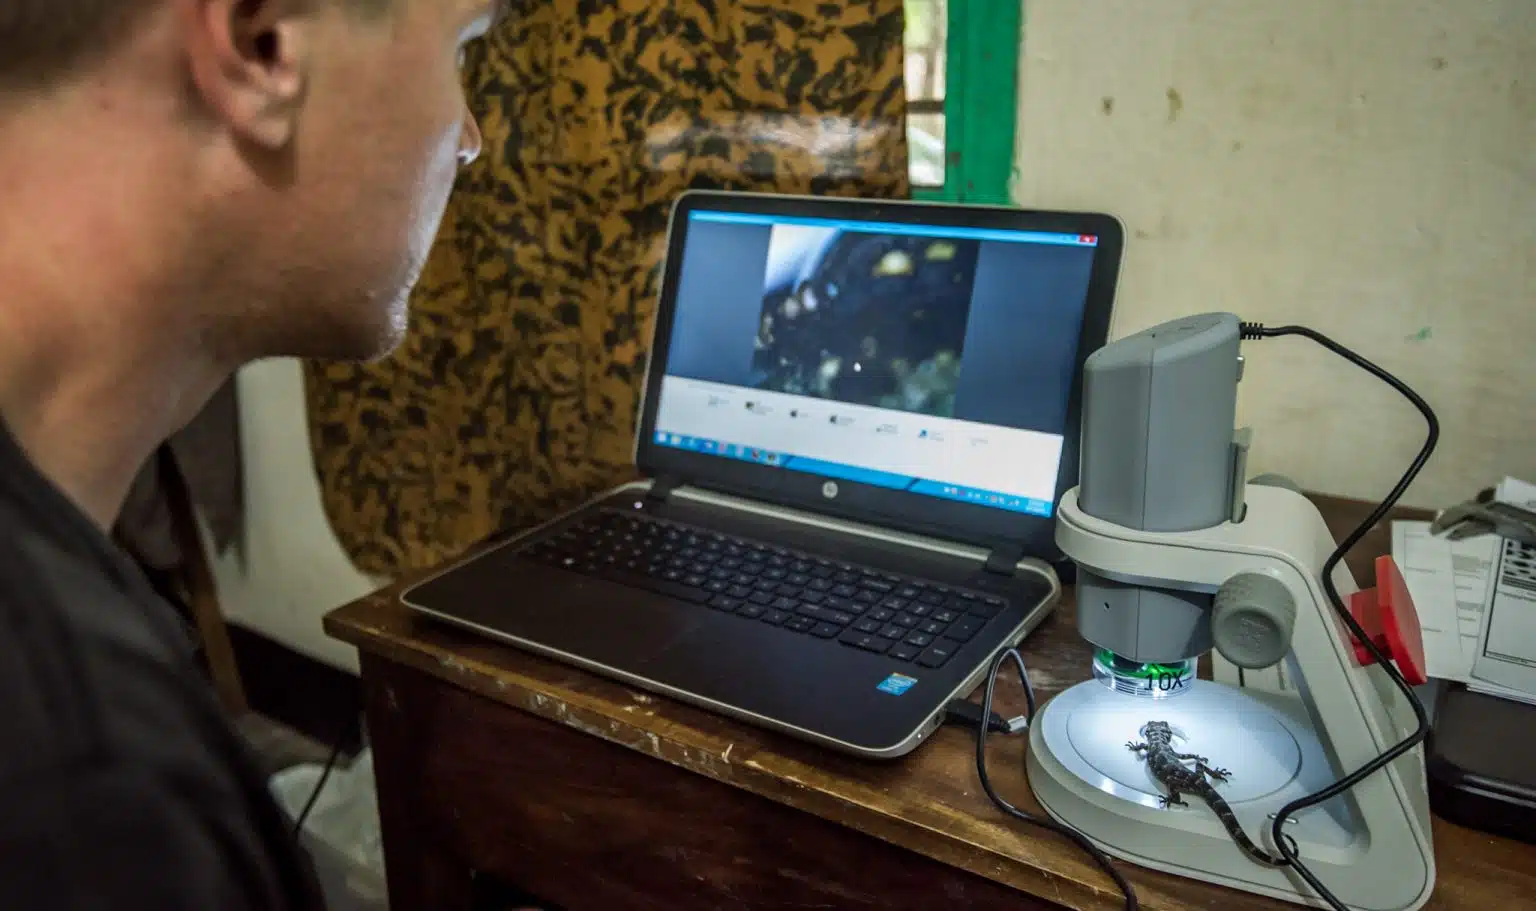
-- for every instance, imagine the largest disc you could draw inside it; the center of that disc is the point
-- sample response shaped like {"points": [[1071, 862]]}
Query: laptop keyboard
{"points": [[903, 618]]}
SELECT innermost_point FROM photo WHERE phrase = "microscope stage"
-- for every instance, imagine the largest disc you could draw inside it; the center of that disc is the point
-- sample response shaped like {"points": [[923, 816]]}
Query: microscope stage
{"points": [[1249, 741], [1079, 748]]}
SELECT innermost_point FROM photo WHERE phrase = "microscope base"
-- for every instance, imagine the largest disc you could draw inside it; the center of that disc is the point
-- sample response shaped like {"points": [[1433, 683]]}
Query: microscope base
{"points": [[1086, 776]]}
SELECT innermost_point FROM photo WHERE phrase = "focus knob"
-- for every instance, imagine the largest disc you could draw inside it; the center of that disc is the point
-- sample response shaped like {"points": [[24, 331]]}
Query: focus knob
{"points": [[1252, 619]]}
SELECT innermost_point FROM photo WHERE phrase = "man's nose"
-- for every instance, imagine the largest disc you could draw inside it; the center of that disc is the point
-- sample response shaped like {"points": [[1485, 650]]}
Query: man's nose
{"points": [[471, 142]]}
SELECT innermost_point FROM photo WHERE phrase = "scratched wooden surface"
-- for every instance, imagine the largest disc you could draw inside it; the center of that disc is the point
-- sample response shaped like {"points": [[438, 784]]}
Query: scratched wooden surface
{"points": [[928, 804], [577, 822]]}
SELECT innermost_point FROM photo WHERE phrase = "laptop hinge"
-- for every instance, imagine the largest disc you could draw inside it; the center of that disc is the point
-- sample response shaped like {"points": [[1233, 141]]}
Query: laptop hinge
{"points": [[1004, 559], [662, 487]]}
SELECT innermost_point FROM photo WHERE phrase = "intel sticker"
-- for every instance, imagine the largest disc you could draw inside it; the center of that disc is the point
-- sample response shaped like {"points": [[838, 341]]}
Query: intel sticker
{"points": [[896, 684]]}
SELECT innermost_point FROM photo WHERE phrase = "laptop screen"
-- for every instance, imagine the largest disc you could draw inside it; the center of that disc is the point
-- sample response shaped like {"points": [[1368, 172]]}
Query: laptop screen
{"points": [[936, 360]]}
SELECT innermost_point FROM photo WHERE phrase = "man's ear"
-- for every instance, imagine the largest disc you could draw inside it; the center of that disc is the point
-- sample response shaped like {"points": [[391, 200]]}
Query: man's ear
{"points": [[249, 62]]}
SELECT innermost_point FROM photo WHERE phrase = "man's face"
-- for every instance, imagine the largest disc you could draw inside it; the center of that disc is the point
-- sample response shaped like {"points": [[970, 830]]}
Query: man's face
{"points": [[348, 223]]}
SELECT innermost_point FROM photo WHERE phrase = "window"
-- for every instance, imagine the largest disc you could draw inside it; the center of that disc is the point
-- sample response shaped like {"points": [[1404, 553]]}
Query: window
{"points": [[962, 61]]}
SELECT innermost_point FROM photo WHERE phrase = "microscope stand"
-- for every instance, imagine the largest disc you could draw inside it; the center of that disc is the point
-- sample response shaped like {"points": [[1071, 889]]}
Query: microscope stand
{"points": [[1370, 846]]}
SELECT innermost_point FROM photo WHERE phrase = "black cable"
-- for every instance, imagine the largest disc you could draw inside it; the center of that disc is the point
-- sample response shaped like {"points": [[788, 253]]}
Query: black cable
{"points": [[1081, 840], [968, 714], [325, 774], [1284, 843]]}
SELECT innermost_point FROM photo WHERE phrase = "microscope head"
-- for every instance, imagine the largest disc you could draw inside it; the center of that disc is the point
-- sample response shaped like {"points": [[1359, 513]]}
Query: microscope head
{"points": [[1158, 412], [1159, 454]]}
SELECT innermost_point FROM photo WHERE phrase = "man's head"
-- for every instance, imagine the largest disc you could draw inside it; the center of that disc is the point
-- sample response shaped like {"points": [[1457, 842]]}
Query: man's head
{"points": [[277, 168]]}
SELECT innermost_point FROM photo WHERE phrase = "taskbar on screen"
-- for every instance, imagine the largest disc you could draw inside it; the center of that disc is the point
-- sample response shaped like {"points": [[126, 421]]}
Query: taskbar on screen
{"points": [[842, 472]]}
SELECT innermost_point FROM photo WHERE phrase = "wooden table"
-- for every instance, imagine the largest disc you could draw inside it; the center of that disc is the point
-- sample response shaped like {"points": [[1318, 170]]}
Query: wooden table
{"points": [[589, 794]]}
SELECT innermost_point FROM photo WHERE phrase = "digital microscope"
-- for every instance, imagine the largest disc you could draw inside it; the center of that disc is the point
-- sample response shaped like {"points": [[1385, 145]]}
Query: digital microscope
{"points": [[1179, 556]]}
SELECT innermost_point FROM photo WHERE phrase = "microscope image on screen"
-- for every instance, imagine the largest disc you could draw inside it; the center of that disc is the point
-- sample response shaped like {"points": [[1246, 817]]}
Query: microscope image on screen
{"points": [[865, 318]]}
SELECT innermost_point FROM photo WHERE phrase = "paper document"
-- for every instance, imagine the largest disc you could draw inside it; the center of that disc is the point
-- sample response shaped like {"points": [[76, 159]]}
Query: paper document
{"points": [[1476, 631], [1449, 584], [1507, 659], [1517, 493]]}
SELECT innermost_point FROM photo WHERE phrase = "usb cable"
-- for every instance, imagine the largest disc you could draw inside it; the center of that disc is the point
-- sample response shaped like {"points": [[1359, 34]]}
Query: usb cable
{"points": [[968, 715]]}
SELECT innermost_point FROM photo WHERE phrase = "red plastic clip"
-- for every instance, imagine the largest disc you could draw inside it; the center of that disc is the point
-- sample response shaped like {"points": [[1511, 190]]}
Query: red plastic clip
{"points": [[1390, 620]]}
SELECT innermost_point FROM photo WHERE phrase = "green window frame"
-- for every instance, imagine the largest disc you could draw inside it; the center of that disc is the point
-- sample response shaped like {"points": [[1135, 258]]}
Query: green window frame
{"points": [[980, 104]]}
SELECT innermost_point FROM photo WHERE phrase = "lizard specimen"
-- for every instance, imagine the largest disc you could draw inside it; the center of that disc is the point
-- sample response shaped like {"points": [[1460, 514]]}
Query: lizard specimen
{"points": [[1169, 769]]}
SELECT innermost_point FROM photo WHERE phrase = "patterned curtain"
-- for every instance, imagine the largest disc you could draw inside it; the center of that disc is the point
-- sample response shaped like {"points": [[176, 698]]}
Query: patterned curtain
{"points": [[515, 393]]}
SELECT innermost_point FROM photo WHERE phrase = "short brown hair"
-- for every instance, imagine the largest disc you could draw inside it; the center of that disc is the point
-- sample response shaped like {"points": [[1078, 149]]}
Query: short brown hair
{"points": [[42, 41]]}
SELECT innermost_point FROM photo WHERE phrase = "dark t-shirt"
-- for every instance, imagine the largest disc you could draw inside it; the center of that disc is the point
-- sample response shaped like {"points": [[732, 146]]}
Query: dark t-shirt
{"points": [[122, 785]]}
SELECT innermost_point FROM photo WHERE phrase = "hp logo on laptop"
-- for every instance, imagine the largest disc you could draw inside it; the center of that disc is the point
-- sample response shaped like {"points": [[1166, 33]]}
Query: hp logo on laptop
{"points": [[829, 490]]}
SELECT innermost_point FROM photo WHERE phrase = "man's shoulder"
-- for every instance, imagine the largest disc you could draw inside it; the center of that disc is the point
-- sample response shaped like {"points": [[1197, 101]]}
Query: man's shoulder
{"points": [[86, 668], [111, 730]]}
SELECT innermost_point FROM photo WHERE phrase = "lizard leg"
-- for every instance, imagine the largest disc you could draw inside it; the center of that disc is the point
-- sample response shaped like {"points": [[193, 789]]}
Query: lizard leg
{"points": [[1213, 773], [1196, 758], [1173, 799], [1135, 747]]}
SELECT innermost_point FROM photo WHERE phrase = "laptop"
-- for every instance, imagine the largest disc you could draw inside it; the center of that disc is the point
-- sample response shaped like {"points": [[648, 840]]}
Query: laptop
{"points": [[858, 418]]}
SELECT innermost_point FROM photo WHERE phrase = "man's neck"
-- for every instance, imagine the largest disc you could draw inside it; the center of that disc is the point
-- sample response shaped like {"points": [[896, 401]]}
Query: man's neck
{"points": [[96, 367], [94, 425]]}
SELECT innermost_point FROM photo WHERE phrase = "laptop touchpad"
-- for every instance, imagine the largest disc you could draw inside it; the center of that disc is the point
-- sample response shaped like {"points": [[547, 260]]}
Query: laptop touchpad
{"points": [[581, 617]]}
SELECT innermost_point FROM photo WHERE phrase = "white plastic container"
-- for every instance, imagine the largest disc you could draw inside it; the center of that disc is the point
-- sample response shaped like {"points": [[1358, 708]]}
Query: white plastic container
{"points": [[341, 833]]}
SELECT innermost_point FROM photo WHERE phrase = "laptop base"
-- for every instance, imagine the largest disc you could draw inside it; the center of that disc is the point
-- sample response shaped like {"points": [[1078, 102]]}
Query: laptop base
{"points": [[797, 676]]}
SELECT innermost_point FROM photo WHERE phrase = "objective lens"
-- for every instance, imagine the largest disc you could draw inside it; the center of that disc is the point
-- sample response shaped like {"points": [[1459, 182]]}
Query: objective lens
{"points": [[1148, 680]]}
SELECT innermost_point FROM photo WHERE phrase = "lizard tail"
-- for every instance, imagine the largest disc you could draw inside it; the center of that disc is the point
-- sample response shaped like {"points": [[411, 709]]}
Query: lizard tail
{"points": [[1230, 823]]}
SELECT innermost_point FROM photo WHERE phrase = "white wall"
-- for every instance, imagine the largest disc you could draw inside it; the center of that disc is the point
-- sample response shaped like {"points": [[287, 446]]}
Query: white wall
{"points": [[1366, 167], [289, 570]]}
